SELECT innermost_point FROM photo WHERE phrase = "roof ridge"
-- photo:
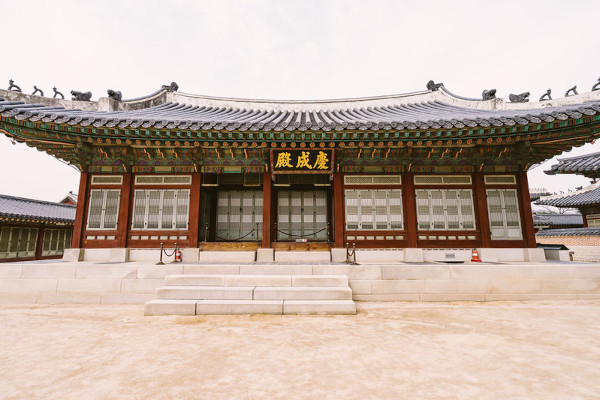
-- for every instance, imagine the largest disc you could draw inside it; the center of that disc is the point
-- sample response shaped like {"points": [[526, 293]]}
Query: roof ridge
{"points": [[580, 156], [37, 201]]}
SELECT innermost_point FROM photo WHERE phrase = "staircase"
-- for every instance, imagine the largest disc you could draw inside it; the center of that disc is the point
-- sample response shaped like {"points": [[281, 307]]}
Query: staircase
{"points": [[230, 293]]}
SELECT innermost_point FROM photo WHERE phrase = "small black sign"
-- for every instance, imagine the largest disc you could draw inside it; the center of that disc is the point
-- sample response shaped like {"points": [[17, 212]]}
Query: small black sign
{"points": [[304, 160]]}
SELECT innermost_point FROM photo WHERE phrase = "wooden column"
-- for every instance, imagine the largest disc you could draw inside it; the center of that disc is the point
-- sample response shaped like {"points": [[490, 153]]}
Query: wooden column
{"points": [[526, 215], [124, 206], [267, 200], [482, 210], [410, 211], [82, 197], [338, 210], [39, 245], [194, 221]]}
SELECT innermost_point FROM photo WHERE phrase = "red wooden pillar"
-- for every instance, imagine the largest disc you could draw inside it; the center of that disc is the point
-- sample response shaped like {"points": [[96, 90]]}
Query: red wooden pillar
{"points": [[124, 206], [80, 212], [482, 210], [39, 245], [194, 222], [411, 209], [267, 208], [338, 210], [526, 215]]}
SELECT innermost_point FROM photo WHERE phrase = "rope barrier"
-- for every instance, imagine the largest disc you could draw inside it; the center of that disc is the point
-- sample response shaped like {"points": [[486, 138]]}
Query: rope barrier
{"points": [[301, 236], [351, 254], [233, 240]]}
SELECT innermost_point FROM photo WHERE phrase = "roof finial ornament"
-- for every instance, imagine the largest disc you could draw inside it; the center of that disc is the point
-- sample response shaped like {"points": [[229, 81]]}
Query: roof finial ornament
{"points": [[12, 86], [596, 86], [115, 95], [57, 93], [572, 90], [546, 96], [431, 85], [38, 90], [173, 87], [488, 94], [519, 98], [86, 96]]}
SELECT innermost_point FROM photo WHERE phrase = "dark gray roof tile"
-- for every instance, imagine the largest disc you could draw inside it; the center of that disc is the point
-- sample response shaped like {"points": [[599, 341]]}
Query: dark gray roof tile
{"points": [[37, 210]]}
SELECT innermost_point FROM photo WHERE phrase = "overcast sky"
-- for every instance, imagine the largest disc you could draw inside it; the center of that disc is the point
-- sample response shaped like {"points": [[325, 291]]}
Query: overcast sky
{"points": [[289, 50]]}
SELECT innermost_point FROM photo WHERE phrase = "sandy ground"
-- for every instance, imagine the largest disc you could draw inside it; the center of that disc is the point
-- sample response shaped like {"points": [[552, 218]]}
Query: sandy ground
{"points": [[503, 350]]}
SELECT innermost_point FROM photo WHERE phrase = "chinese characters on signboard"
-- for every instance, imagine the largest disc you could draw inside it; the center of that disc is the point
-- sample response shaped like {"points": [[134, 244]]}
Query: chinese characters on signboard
{"points": [[301, 161]]}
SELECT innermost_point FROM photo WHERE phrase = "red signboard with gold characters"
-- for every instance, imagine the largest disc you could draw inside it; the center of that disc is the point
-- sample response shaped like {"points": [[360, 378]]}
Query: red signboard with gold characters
{"points": [[302, 161]]}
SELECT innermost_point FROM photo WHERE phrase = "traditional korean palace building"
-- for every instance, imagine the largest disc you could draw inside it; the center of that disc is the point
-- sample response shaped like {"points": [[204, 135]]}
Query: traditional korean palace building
{"points": [[426, 170]]}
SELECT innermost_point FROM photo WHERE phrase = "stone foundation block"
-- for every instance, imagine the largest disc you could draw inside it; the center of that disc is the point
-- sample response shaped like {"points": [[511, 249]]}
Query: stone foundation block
{"points": [[190, 255], [456, 286], [451, 297], [511, 255], [319, 307], [140, 286], [557, 255], [265, 255], [545, 271], [28, 285], [73, 255], [338, 255], [432, 255], [303, 256], [118, 255], [89, 286], [591, 271], [170, 307], [528, 297], [488, 254], [18, 298], [535, 255], [360, 286], [149, 255], [10, 271], [276, 269], [515, 286], [351, 271], [223, 307], [48, 271], [478, 271], [319, 280], [397, 286], [94, 271], [569, 286], [413, 255], [415, 272], [387, 297], [227, 256], [158, 271], [96, 255], [379, 256]]}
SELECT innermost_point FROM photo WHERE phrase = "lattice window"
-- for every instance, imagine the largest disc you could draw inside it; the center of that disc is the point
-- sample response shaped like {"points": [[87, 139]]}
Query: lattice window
{"points": [[107, 180], [160, 209], [17, 242], [56, 241], [503, 214], [238, 212], [163, 180], [374, 209], [373, 180], [302, 215], [445, 209], [442, 180], [103, 209], [500, 180]]}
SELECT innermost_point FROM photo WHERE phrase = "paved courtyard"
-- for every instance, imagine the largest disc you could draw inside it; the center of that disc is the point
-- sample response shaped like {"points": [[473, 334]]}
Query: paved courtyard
{"points": [[499, 350]]}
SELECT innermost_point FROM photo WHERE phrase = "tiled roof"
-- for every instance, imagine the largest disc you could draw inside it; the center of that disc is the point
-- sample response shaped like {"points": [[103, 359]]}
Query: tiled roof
{"points": [[536, 193], [570, 232], [557, 219], [423, 110], [586, 165], [30, 210], [587, 195]]}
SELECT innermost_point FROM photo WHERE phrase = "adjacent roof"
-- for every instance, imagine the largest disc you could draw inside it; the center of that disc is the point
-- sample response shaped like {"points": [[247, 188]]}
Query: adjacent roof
{"points": [[21, 209], [553, 219], [587, 165], [570, 232], [421, 110], [536, 193], [70, 198], [586, 196]]}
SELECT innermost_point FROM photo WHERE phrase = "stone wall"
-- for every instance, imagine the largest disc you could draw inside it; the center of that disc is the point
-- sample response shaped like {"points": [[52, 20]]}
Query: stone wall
{"points": [[85, 282], [584, 248]]}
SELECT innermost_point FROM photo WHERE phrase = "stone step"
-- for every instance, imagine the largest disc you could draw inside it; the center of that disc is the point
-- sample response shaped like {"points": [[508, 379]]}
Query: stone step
{"points": [[224, 307], [253, 293], [302, 293], [257, 280]]}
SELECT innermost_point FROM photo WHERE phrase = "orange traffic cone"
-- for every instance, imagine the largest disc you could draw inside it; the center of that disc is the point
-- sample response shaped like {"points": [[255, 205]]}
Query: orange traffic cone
{"points": [[475, 256]]}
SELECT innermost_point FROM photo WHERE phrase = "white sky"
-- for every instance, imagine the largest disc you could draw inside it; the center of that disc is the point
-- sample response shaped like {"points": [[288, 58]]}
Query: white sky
{"points": [[289, 50]]}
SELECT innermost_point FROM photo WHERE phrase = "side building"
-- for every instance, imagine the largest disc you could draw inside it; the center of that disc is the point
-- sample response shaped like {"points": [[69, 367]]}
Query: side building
{"points": [[426, 170], [34, 229]]}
